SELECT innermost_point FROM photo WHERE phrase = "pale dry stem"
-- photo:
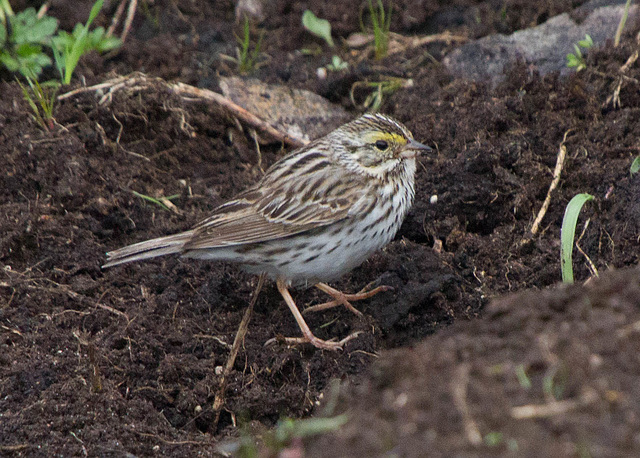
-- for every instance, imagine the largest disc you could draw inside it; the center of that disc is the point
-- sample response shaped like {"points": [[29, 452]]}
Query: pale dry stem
{"points": [[218, 402], [557, 172], [131, 12], [459, 386], [138, 82], [553, 408]]}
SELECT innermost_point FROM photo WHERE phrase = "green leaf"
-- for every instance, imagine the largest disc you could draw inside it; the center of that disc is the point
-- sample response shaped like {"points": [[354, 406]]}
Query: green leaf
{"points": [[493, 439], [28, 49], [523, 378], [635, 165], [10, 62], [107, 44], [27, 28], [287, 428], [317, 26], [587, 42], [30, 60], [578, 52], [97, 41], [3, 35], [69, 48], [568, 233], [97, 6], [337, 64]]}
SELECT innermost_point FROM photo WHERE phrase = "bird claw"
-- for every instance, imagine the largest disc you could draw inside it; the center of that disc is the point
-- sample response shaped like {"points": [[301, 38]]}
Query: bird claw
{"points": [[341, 298]]}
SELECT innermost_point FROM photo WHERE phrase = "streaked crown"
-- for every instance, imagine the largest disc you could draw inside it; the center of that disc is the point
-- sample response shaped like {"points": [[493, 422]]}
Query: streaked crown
{"points": [[374, 142]]}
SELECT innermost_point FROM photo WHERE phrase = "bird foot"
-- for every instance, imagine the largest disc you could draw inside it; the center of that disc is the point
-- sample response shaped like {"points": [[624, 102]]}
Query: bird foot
{"points": [[340, 298]]}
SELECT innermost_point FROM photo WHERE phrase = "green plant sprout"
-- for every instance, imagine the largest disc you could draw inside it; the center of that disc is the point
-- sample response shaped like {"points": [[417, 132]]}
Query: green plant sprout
{"points": [[313, 50], [281, 436], [153, 200], [621, 24], [45, 96], [635, 165], [380, 22], [373, 101], [319, 27], [68, 48], [22, 37], [577, 60], [568, 233], [152, 15], [247, 59], [555, 382], [493, 439], [288, 429], [337, 64], [523, 378]]}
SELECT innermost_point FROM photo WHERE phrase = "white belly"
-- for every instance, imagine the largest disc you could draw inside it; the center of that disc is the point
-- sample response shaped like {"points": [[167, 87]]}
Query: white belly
{"points": [[324, 254], [332, 251]]}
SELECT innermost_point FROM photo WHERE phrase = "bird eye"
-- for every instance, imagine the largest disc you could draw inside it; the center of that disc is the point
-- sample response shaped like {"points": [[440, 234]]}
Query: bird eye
{"points": [[381, 145]]}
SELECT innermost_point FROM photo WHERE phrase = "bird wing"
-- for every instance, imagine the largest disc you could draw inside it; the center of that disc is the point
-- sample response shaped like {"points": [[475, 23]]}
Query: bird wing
{"points": [[278, 207]]}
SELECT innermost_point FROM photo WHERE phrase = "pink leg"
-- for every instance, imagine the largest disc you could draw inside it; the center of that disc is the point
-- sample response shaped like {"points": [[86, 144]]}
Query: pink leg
{"points": [[340, 298]]}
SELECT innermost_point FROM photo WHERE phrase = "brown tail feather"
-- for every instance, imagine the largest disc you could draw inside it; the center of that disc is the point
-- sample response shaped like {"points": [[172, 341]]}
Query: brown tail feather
{"points": [[148, 249]]}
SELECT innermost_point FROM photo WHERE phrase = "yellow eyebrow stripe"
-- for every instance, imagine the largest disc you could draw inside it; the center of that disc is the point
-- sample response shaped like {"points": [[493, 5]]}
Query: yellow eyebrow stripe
{"points": [[388, 136]]}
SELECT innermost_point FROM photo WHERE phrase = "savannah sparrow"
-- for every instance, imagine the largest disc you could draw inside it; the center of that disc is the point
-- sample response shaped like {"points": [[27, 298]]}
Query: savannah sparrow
{"points": [[316, 214]]}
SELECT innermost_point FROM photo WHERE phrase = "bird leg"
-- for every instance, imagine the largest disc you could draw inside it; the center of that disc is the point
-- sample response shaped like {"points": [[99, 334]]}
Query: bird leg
{"points": [[340, 298], [306, 332]]}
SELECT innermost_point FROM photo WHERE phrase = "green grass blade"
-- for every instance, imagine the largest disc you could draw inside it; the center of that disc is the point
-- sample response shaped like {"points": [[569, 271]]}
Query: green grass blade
{"points": [[635, 165], [568, 233], [623, 21], [80, 44], [153, 200]]}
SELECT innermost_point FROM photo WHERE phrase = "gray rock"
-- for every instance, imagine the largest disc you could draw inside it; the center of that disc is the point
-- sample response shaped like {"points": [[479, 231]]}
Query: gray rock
{"points": [[544, 47], [301, 114]]}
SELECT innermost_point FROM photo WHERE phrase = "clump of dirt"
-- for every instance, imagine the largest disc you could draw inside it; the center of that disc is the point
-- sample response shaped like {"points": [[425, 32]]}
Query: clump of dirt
{"points": [[538, 365], [128, 360]]}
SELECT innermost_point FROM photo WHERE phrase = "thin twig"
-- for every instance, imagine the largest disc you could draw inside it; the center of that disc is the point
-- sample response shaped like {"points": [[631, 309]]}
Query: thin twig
{"points": [[416, 42], [553, 408], [116, 18], [113, 84], [139, 81], [131, 12], [14, 448], [590, 264], [400, 43], [43, 10], [625, 331], [254, 136], [218, 402], [235, 109], [623, 21], [562, 153], [459, 385], [614, 98]]}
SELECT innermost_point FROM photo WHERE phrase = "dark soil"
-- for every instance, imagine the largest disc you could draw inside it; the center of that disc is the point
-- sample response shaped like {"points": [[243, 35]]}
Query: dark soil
{"points": [[127, 360]]}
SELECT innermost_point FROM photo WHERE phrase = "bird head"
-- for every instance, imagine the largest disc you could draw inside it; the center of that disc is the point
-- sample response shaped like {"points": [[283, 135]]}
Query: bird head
{"points": [[375, 144]]}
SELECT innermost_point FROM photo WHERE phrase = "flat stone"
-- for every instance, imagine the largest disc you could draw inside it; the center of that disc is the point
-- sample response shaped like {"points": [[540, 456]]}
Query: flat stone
{"points": [[301, 114], [544, 47]]}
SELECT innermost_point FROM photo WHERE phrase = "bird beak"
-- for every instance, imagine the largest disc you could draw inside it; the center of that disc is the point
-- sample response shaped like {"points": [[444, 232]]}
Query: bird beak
{"points": [[413, 148]]}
